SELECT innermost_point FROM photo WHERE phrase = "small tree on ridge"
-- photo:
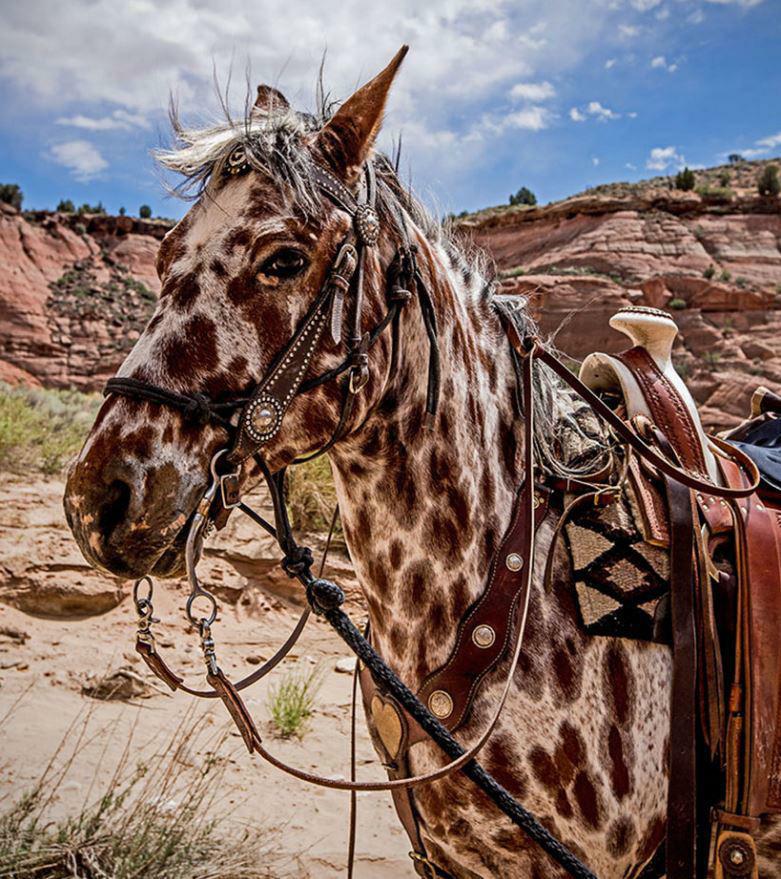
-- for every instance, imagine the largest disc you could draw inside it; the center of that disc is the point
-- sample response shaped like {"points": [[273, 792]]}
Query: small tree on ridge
{"points": [[524, 196]]}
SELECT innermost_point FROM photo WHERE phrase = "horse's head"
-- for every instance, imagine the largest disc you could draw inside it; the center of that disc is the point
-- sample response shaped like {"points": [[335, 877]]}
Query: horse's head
{"points": [[239, 274]]}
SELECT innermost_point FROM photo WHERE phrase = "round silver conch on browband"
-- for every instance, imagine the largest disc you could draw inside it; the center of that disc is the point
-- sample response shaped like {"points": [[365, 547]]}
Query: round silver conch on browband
{"points": [[263, 418], [367, 224]]}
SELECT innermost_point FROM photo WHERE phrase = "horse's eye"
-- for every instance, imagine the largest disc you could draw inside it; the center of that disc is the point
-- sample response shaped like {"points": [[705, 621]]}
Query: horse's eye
{"points": [[284, 264]]}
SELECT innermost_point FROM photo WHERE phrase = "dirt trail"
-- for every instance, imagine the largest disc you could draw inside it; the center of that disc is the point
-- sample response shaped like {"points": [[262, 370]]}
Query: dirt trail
{"points": [[43, 678]]}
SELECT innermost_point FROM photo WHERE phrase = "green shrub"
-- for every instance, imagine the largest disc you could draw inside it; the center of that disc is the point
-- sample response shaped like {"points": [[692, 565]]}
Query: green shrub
{"points": [[719, 194], [524, 196], [725, 276], [724, 179], [709, 272], [162, 818], [88, 208], [685, 180], [741, 282], [291, 701], [122, 212], [711, 357], [66, 206], [10, 193], [311, 495], [735, 158], [677, 304], [515, 272], [40, 430], [683, 369], [145, 212], [768, 183]]}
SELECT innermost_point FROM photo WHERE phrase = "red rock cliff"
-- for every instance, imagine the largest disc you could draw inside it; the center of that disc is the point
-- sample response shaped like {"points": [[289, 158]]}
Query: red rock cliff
{"points": [[75, 291], [715, 263]]}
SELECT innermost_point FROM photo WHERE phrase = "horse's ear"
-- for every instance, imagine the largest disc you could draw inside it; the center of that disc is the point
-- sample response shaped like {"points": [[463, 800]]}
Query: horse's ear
{"points": [[348, 137], [269, 100]]}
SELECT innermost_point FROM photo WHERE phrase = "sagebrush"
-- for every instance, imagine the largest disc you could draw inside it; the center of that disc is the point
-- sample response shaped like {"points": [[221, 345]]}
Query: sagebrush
{"points": [[165, 816], [41, 430]]}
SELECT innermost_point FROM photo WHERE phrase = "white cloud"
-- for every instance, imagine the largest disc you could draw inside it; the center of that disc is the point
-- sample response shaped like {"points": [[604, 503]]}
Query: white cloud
{"points": [[747, 4], [596, 109], [770, 142], [645, 5], [595, 161], [762, 147], [465, 59], [664, 158], [118, 120], [80, 157], [529, 118], [661, 63], [663, 14], [533, 91], [696, 17], [610, 63], [631, 166]]}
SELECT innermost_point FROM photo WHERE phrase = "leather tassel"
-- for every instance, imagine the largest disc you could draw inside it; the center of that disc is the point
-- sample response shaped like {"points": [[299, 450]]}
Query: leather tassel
{"points": [[237, 709], [155, 663]]}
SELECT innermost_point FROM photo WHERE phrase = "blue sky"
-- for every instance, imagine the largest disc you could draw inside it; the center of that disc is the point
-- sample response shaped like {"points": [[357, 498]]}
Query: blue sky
{"points": [[556, 95]]}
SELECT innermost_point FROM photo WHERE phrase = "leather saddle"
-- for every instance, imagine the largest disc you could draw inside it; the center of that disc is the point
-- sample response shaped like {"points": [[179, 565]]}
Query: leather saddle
{"points": [[725, 591], [760, 438]]}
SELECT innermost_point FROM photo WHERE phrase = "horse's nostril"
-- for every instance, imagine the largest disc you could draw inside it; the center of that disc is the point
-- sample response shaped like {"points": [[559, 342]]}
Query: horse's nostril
{"points": [[114, 507]]}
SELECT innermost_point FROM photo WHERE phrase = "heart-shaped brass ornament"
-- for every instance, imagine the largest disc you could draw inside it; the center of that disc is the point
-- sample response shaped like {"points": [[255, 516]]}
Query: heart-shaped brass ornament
{"points": [[388, 723]]}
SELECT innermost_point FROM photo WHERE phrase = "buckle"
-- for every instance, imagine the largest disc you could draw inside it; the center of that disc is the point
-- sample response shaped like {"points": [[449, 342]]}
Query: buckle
{"points": [[363, 377], [349, 255], [230, 491], [429, 868]]}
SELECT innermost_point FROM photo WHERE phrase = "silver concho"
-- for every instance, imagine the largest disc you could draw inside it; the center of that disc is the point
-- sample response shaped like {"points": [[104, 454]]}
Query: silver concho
{"points": [[237, 163], [263, 418], [367, 224]]}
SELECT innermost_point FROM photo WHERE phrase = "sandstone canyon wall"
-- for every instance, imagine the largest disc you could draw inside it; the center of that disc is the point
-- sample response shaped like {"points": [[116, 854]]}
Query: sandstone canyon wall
{"points": [[714, 264], [76, 291]]}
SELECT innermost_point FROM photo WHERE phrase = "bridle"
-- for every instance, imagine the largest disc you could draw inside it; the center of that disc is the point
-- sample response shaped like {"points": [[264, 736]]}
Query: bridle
{"points": [[260, 417], [263, 410]]}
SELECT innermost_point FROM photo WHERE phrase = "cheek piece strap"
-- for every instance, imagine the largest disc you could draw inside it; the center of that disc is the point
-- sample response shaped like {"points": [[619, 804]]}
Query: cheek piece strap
{"points": [[262, 411]]}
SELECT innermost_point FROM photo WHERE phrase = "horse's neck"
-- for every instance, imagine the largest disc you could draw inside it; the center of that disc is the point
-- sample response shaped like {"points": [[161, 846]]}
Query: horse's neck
{"points": [[423, 509]]}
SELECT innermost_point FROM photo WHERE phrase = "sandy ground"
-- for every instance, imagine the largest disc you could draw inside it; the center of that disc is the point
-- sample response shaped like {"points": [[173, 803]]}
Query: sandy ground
{"points": [[41, 692]]}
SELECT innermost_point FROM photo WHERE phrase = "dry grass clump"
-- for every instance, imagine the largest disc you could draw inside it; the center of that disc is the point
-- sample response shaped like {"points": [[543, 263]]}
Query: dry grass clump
{"points": [[162, 817], [311, 496], [292, 700], [40, 430]]}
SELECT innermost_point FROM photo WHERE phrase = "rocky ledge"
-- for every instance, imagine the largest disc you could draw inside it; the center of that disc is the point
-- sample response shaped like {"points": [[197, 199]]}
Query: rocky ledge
{"points": [[714, 262]]}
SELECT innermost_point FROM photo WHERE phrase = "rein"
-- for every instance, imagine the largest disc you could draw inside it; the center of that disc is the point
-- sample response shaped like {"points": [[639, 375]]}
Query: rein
{"points": [[260, 419]]}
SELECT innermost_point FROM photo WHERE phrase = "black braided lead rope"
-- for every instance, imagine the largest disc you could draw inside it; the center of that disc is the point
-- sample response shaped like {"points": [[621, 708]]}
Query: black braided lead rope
{"points": [[325, 598]]}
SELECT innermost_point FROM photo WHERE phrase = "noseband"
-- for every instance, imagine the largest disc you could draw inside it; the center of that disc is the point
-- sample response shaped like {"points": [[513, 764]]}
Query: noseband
{"points": [[263, 411]]}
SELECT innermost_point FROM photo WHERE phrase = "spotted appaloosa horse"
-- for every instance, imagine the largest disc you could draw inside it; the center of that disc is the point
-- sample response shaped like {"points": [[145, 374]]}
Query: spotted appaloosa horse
{"points": [[582, 742]]}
